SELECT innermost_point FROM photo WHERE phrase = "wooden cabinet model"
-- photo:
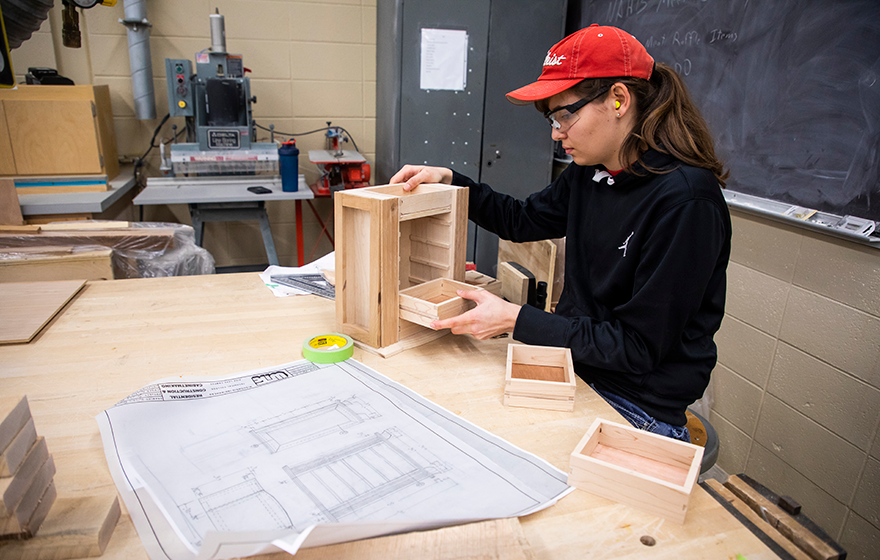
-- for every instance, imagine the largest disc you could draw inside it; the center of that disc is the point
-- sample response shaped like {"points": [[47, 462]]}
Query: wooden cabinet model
{"points": [[388, 240], [57, 130]]}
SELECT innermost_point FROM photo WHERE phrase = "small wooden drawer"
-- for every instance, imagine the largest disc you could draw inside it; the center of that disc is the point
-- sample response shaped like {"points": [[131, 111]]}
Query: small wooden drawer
{"points": [[637, 468], [539, 377], [433, 300]]}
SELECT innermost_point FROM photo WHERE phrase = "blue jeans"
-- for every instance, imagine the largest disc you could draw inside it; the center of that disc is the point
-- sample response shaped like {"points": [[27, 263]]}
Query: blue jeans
{"points": [[642, 420]]}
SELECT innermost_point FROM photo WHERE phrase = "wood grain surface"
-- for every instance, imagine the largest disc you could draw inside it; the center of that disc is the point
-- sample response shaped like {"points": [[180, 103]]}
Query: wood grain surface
{"points": [[120, 335]]}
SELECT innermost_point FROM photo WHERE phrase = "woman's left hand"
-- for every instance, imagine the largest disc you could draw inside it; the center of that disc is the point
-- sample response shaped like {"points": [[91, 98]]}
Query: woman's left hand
{"points": [[492, 316]]}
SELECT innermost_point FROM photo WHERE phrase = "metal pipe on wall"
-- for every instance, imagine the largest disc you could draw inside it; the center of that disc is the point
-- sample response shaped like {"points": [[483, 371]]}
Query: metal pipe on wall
{"points": [[139, 56]]}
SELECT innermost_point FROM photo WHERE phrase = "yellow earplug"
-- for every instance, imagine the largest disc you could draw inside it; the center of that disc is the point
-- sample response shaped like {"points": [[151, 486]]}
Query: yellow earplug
{"points": [[617, 104]]}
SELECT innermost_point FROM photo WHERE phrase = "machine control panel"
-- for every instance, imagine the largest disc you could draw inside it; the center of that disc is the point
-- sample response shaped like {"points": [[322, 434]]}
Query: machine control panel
{"points": [[180, 90]]}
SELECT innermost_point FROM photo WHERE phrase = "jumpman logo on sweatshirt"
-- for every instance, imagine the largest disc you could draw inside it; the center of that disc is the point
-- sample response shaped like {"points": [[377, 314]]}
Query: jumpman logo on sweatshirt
{"points": [[625, 243]]}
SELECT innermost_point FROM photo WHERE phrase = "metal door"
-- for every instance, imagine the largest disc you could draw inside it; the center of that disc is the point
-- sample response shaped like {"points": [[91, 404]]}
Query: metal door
{"points": [[475, 131]]}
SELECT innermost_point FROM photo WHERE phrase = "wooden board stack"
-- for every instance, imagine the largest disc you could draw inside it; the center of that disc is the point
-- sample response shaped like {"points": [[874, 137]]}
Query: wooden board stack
{"points": [[539, 377], [27, 470], [68, 527], [637, 468]]}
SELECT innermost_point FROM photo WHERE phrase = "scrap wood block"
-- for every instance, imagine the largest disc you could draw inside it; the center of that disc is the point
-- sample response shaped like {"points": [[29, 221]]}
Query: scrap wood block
{"points": [[22, 520], [28, 529], [517, 283], [30, 228], [783, 522], [754, 518], [74, 528], [539, 377], [15, 453], [13, 488], [14, 414], [434, 300], [637, 468]]}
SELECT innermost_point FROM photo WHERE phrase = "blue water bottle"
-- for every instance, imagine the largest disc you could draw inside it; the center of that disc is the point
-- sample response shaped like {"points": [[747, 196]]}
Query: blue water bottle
{"points": [[288, 159]]}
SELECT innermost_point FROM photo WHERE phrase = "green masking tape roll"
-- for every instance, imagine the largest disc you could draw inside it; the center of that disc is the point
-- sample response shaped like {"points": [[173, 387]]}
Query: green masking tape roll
{"points": [[328, 348]]}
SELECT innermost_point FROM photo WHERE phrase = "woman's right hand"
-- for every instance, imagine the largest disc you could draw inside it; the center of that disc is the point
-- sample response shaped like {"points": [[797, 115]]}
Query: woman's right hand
{"points": [[414, 175]]}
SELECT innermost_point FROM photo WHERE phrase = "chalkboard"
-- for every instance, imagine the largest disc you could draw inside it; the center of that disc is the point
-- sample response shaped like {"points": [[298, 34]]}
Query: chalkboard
{"points": [[789, 88]]}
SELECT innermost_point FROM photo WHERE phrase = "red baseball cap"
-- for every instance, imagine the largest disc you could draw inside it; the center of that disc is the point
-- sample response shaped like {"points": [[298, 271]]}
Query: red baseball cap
{"points": [[593, 52]]}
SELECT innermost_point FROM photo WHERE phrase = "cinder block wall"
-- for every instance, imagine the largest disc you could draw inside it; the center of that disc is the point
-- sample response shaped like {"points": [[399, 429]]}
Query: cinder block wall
{"points": [[797, 386], [311, 62]]}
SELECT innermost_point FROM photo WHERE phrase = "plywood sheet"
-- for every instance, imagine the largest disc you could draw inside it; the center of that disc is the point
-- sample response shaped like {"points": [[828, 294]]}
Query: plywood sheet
{"points": [[71, 148], [26, 307]]}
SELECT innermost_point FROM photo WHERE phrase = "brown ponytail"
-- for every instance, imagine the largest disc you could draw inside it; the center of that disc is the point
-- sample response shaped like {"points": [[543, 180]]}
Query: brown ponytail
{"points": [[667, 120]]}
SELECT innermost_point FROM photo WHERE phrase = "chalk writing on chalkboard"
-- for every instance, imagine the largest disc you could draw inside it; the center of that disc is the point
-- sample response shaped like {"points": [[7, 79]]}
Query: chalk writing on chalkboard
{"points": [[790, 89]]}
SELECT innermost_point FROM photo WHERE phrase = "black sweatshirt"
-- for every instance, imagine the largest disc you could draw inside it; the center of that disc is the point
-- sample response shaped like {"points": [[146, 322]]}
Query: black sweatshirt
{"points": [[645, 275]]}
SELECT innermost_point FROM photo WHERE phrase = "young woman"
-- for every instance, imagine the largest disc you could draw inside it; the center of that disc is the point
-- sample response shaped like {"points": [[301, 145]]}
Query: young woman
{"points": [[646, 225]]}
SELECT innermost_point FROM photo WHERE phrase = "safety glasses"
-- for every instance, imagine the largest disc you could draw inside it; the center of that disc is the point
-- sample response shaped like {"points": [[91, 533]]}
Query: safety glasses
{"points": [[562, 118]]}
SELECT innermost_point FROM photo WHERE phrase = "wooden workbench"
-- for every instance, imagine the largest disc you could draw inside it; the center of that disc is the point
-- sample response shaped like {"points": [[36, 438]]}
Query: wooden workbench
{"points": [[116, 336]]}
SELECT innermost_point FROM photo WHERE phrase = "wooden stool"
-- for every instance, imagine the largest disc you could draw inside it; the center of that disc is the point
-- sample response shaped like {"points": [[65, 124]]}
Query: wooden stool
{"points": [[704, 435]]}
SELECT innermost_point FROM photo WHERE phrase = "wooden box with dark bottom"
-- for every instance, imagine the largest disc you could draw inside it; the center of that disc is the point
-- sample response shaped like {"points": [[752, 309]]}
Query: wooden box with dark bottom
{"points": [[539, 377]]}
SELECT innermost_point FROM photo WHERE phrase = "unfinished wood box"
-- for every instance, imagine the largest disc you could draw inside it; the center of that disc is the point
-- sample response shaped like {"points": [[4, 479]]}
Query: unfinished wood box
{"points": [[539, 377], [57, 130], [388, 240], [433, 300], [637, 468]]}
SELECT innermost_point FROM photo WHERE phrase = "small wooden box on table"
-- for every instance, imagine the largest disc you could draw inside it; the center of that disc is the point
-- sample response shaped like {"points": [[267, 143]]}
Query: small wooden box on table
{"points": [[637, 468], [539, 377], [388, 240]]}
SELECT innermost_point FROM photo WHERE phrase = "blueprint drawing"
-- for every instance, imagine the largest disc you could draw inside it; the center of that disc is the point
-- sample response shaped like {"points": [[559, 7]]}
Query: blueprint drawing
{"points": [[264, 457]]}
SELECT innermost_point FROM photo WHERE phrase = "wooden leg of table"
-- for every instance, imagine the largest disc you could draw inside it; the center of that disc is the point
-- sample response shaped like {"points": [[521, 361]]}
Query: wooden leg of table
{"points": [[299, 233]]}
